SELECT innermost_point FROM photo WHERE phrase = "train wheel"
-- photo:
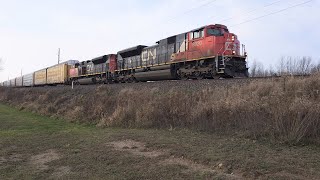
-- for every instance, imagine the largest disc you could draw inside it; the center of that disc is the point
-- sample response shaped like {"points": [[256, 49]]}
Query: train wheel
{"points": [[198, 76], [129, 80], [184, 78]]}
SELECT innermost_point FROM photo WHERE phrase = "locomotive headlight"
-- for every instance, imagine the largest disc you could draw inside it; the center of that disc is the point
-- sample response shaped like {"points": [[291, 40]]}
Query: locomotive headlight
{"points": [[233, 38]]}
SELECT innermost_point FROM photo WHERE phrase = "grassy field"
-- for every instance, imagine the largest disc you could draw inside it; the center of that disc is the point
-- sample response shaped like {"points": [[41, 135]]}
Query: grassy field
{"points": [[38, 147]]}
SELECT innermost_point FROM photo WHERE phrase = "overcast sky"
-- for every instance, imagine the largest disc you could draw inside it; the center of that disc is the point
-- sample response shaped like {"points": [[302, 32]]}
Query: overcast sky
{"points": [[32, 31]]}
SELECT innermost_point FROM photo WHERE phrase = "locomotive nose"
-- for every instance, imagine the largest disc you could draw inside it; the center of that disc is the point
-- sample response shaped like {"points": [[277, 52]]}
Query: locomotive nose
{"points": [[231, 37], [232, 44]]}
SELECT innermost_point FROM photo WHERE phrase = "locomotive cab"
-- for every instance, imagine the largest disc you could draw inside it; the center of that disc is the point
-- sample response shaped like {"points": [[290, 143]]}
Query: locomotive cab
{"points": [[213, 40], [214, 43]]}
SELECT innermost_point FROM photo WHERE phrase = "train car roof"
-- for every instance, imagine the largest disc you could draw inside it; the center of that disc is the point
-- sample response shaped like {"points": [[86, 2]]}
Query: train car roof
{"points": [[70, 62], [216, 25], [150, 47], [133, 51], [101, 59], [135, 48]]}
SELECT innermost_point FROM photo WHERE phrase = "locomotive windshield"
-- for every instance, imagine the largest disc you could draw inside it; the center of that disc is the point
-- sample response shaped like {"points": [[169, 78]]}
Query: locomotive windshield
{"points": [[214, 32]]}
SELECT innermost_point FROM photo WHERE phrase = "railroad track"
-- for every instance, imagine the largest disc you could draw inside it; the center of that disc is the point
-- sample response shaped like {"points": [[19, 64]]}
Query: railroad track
{"points": [[184, 85]]}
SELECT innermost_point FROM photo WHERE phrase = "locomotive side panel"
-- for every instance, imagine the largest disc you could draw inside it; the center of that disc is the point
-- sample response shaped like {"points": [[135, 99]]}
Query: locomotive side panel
{"points": [[112, 63], [162, 51], [129, 58], [73, 72], [99, 65], [149, 56], [99, 68]]}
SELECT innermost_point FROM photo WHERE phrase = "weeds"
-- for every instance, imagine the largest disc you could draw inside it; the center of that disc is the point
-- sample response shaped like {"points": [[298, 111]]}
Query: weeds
{"points": [[286, 110]]}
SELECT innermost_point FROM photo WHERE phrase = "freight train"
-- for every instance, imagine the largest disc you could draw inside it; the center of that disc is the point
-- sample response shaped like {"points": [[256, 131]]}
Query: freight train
{"points": [[207, 52]]}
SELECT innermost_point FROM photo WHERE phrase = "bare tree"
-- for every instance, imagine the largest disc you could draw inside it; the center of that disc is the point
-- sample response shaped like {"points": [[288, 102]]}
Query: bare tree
{"points": [[281, 66], [257, 69], [316, 68], [271, 71], [304, 66], [253, 69], [261, 72], [295, 65]]}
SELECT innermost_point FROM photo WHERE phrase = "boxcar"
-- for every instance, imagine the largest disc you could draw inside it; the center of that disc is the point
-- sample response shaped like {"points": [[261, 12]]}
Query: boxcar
{"points": [[28, 80], [13, 83], [58, 74], [40, 77], [19, 81]]}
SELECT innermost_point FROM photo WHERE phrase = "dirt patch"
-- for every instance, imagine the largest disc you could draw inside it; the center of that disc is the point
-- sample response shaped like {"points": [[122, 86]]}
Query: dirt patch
{"points": [[139, 149], [11, 158], [15, 158], [60, 172], [40, 161], [136, 148], [3, 160], [187, 163], [284, 175], [192, 166]]}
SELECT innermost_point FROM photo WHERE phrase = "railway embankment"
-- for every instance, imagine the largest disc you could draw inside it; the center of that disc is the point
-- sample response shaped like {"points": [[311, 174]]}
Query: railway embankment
{"points": [[282, 109]]}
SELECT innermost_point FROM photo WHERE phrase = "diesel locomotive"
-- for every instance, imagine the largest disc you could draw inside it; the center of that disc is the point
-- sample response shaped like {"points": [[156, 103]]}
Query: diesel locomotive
{"points": [[207, 52]]}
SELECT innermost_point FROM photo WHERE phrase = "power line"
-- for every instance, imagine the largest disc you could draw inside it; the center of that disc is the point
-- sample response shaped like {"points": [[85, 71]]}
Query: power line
{"points": [[267, 5], [247, 21], [183, 13], [192, 9], [276, 12]]}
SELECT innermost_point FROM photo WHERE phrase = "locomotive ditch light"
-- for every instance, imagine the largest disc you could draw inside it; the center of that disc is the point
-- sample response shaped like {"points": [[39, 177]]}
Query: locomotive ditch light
{"points": [[233, 52]]}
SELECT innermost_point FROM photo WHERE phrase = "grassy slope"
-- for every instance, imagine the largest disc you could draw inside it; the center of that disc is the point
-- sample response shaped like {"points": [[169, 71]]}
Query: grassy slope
{"points": [[84, 153], [281, 109]]}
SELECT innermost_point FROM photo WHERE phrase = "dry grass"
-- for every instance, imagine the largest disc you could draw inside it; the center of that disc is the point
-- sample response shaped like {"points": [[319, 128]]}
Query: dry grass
{"points": [[287, 109], [39, 147]]}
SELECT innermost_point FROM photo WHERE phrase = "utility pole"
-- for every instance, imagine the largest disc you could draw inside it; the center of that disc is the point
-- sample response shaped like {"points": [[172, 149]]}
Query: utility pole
{"points": [[59, 56]]}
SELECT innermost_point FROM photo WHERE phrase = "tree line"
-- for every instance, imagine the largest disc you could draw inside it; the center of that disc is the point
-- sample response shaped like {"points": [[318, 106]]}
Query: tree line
{"points": [[285, 66]]}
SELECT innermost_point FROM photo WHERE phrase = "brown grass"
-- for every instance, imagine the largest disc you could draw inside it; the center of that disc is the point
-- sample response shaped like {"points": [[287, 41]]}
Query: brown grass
{"points": [[39, 147], [285, 109]]}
